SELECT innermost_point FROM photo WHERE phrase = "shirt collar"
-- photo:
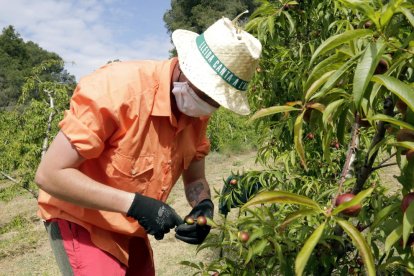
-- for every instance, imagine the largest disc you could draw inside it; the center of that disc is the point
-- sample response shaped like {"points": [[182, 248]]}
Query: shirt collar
{"points": [[162, 100]]}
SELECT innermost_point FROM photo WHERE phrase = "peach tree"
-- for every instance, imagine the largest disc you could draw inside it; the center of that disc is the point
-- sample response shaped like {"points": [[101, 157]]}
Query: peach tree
{"points": [[334, 104], [27, 129]]}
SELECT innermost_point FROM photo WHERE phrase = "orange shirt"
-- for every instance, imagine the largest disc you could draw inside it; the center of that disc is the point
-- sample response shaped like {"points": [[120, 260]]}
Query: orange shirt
{"points": [[120, 120]]}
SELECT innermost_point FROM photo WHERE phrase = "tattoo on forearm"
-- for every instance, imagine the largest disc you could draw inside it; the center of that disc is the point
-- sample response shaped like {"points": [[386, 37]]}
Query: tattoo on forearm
{"points": [[196, 192]]}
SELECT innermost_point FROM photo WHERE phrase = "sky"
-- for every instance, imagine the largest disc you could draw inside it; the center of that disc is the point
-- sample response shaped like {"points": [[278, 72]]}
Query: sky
{"points": [[89, 33]]}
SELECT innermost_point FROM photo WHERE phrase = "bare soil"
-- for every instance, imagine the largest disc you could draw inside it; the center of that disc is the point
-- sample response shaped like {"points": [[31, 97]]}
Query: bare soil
{"points": [[25, 250]]}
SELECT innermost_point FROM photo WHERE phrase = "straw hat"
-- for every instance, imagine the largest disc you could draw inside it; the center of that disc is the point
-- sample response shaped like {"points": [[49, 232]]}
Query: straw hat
{"points": [[220, 62]]}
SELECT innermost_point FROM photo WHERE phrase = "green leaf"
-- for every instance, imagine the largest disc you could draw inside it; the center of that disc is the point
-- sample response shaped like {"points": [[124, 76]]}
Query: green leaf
{"points": [[407, 175], [365, 69], [332, 62], [280, 256], [190, 264], [388, 13], [333, 78], [384, 213], [392, 238], [259, 246], [318, 83], [361, 5], [356, 200], [377, 146], [362, 246], [296, 215], [402, 90], [318, 106], [304, 254], [385, 118], [271, 25], [402, 59], [330, 110], [336, 40], [297, 138], [408, 223], [249, 255], [290, 20], [256, 233], [272, 110], [408, 15], [282, 197], [326, 142], [404, 144]]}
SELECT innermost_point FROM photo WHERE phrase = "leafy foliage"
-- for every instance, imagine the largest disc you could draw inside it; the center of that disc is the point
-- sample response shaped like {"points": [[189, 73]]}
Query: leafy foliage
{"points": [[197, 15], [229, 132], [29, 127], [334, 100]]}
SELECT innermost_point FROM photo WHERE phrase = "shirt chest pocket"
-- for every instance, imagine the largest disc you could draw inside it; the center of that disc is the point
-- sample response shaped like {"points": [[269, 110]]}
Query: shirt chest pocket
{"points": [[139, 168]]}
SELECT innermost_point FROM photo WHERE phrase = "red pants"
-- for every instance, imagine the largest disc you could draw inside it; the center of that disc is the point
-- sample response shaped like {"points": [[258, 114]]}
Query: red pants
{"points": [[77, 255]]}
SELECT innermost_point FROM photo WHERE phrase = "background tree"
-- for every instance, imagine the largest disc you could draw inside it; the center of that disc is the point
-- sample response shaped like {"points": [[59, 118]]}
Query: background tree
{"points": [[197, 15], [17, 58]]}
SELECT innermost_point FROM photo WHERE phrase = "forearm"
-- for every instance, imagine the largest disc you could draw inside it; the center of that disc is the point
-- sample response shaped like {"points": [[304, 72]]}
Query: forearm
{"points": [[73, 186], [196, 191]]}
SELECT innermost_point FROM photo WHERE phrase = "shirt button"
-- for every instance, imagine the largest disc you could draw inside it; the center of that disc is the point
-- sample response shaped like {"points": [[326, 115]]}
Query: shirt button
{"points": [[133, 172], [169, 162]]}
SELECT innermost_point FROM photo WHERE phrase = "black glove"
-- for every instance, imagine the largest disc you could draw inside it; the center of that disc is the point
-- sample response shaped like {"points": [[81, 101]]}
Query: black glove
{"points": [[155, 216], [195, 233]]}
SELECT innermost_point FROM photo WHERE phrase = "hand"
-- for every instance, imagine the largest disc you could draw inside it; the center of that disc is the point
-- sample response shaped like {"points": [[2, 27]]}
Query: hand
{"points": [[195, 233], [155, 216]]}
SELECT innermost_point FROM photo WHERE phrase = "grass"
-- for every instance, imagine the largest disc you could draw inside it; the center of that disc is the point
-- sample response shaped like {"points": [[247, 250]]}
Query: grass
{"points": [[7, 193], [17, 223], [18, 236]]}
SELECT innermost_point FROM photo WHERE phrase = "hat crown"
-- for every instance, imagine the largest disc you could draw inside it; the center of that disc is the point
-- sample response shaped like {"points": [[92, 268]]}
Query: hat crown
{"points": [[238, 50], [220, 62]]}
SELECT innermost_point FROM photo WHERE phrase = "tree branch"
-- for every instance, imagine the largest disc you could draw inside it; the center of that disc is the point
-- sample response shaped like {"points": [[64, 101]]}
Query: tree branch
{"points": [[350, 157], [365, 171], [388, 158], [9, 177], [383, 166], [34, 193], [49, 122]]}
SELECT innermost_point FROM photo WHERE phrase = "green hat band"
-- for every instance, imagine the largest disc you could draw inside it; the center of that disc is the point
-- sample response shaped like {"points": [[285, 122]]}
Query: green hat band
{"points": [[221, 70]]}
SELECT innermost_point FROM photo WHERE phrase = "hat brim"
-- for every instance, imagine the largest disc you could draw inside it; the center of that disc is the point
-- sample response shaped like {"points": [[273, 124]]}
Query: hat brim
{"points": [[199, 73]]}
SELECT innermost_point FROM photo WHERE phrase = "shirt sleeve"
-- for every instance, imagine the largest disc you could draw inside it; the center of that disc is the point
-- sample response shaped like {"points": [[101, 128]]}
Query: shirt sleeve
{"points": [[203, 145], [89, 121]]}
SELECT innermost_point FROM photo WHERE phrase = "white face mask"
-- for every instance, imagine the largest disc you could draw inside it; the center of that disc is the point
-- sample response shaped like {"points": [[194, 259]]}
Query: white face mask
{"points": [[189, 103]]}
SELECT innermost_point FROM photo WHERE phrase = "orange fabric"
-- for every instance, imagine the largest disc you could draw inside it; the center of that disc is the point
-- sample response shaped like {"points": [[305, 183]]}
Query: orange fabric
{"points": [[120, 120]]}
